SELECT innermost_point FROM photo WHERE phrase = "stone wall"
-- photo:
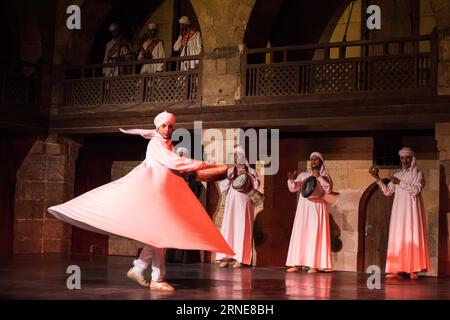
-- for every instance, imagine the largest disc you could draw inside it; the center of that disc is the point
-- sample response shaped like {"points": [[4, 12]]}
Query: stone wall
{"points": [[443, 143], [46, 178], [441, 11], [118, 245]]}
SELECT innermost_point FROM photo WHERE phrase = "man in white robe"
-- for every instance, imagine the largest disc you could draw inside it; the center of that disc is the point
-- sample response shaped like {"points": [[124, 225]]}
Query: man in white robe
{"points": [[407, 245], [189, 43], [310, 244], [152, 48], [238, 218], [117, 50]]}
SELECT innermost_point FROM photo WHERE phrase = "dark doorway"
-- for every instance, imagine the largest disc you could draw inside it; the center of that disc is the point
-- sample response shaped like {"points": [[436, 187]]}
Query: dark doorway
{"points": [[93, 169], [374, 218], [90, 173]]}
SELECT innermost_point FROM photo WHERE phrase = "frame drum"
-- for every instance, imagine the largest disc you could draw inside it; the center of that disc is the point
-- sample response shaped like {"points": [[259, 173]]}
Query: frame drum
{"points": [[312, 190], [242, 183]]}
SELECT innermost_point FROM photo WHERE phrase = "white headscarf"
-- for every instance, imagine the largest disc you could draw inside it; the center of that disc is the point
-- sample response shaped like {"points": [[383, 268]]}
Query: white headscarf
{"points": [[160, 119], [184, 151], [184, 20], [241, 158], [408, 152], [320, 156]]}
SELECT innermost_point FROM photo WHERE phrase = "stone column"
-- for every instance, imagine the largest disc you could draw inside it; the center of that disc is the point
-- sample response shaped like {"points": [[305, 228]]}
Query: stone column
{"points": [[441, 12], [223, 25], [45, 178]]}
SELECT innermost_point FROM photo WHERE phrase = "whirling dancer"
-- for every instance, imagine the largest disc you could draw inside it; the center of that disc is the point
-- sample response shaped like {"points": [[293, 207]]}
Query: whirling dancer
{"points": [[151, 204]]}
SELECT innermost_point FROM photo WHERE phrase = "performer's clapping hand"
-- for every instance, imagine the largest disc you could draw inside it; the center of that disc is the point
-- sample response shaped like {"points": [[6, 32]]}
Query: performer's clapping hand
{"points": [[394, 180], [374, 173], [292, 174]]}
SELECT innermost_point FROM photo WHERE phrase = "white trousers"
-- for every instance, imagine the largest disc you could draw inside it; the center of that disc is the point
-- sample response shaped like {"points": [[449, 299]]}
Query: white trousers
{"points": [[154, 256]]}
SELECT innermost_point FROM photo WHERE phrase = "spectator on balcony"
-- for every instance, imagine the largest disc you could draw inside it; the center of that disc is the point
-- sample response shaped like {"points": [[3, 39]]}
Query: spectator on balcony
{"points": [[189, 43], [117, 50], [152, 48]]}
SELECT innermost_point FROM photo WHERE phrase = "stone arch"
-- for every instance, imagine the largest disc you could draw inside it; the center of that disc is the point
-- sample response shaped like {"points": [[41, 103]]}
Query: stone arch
{"points": [[290, 22]]}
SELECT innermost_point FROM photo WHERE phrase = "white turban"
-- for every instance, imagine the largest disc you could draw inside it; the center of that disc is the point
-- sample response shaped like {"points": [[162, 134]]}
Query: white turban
{"points": [[320, 156], [184, 151], [164, 117], [242, 159], [408, 152], [184, 20], [114, 27], [152, 26]]}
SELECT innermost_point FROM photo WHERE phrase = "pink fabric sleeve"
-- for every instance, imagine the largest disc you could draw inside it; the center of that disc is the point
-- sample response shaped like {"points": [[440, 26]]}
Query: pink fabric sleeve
{"points": [[326, 183], [414, 188], [387, 190], [294, 185], [158, 151], [224, 185]]}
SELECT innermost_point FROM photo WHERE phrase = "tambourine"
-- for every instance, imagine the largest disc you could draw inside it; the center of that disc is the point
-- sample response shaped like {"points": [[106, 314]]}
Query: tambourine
{"points": [[216, 173]]}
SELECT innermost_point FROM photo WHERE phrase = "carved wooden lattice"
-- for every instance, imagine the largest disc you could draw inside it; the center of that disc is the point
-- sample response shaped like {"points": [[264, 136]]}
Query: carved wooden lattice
{"points": [[278, 81], [84, 93], [125, 90], [392, 74], [333, 77], [166, 88]]}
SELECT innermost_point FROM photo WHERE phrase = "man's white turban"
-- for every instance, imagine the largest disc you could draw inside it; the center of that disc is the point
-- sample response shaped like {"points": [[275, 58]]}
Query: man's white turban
{"points": [[152, 26], [320, 156], [164, 117], [114, 27], [184, 20], [406, 152], [184, 151]]}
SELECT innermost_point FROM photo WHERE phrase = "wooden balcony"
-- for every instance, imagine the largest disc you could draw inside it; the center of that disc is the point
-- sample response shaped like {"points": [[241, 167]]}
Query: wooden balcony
{"points": [[361, 85], [347, 69], [88, 89]]}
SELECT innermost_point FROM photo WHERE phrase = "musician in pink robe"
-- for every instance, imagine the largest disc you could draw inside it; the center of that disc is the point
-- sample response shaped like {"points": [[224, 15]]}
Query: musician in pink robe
{"points": [[237, 223], [407, 245], [151, 204], [310, 244]]}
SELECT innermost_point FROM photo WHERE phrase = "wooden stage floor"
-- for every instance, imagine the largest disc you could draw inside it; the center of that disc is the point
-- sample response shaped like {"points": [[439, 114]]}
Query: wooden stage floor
{"points": [[102, 277]]}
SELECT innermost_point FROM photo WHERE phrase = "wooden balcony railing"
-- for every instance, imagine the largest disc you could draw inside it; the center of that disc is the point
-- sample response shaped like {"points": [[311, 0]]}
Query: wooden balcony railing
{"points": [[347, 67], [123, 83], [18, 83]]}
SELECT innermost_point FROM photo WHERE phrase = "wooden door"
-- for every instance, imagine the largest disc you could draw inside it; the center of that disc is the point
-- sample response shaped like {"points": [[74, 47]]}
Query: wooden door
{"points": [[375, 229]]}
